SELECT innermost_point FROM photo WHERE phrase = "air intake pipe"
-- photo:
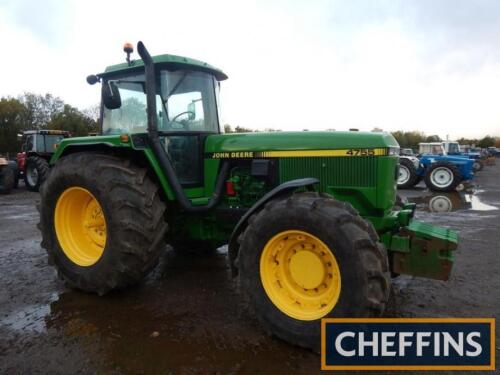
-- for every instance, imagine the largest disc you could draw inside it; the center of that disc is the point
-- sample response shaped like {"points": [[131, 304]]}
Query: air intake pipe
{"points": [[159, 151]]}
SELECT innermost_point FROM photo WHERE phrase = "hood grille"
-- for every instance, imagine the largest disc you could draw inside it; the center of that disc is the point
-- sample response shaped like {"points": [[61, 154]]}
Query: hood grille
{"points": [[331, 171]]}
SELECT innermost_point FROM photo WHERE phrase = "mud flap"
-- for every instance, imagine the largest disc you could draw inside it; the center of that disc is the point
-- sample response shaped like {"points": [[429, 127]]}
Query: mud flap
{"points": [[424, 250]]}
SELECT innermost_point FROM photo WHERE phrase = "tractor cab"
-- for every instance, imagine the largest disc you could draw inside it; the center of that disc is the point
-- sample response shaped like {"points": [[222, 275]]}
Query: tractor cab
{"points": [[186, 98], [452, 148], [41, 142]]}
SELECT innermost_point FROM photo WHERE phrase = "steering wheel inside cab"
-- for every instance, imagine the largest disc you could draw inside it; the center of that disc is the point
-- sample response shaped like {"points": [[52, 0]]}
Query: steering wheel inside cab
{"points": [[175, 124]]}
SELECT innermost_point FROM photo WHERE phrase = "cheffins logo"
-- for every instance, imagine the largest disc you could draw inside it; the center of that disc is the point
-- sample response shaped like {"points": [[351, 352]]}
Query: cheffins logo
{"points": [[408, 344]]}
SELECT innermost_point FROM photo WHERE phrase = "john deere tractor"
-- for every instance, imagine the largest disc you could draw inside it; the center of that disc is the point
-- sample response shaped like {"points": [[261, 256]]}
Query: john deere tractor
{"points": [[308, 216]]}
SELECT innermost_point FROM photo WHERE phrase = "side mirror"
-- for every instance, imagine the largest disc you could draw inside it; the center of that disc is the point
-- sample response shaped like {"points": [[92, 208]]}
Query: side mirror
{"points": [[191, 110], [111, 95], [92, 79]]}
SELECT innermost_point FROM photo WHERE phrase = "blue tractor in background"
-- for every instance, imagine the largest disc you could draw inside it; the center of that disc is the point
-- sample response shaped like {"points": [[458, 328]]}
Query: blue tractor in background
{"points": [[439, 171]]}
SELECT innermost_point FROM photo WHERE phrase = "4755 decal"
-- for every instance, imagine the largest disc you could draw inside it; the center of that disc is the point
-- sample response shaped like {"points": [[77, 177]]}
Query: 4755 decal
{"points": [[360, 152]]}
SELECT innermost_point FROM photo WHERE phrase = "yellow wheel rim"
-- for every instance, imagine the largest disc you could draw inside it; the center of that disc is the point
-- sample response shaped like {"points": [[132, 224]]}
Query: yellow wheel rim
{"points": [[300, 275], [80, 226]]}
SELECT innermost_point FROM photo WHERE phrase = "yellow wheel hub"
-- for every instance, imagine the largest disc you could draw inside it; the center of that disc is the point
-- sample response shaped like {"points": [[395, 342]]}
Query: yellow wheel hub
{"points": [[300, 275], [80, 226]]}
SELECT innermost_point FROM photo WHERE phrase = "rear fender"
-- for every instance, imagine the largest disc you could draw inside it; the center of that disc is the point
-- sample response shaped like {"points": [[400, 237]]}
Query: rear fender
{"points": [[113, 145], [464, 165]]}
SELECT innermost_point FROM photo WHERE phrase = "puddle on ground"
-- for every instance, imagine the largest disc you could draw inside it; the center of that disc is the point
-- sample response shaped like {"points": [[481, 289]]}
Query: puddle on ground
{"points": [[186, 315], [451, 201], [477, 205], [29, 318], [28, 216]]}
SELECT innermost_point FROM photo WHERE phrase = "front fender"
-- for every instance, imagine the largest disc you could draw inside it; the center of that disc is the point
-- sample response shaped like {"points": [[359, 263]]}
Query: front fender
{"points": [[285, 188]]}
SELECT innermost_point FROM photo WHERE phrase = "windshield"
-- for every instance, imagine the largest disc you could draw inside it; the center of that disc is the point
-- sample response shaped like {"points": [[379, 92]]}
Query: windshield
{"points": [[406, 151], [185, 101], [453, 148], [431, 149], [437, 150]]}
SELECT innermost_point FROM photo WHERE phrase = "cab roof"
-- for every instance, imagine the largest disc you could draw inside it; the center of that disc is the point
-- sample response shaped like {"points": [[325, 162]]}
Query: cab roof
{"points": [[430, 144], [173, 62], [47, 132]]}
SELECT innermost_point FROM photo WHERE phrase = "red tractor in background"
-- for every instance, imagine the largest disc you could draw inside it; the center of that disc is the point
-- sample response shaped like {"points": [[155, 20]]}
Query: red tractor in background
{"points": [[37, 147]]}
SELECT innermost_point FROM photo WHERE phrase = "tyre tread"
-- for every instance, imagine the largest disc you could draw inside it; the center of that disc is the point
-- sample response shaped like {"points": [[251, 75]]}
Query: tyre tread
{"points": [[372, 255], [131, 194]]}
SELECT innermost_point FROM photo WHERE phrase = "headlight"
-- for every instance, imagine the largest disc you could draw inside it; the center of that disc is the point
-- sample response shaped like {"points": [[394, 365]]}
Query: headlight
{"points": [[393, 150]]}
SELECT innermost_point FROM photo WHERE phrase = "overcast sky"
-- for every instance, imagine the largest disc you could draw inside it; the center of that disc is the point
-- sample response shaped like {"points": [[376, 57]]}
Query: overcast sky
{"points": [[422, 65]]}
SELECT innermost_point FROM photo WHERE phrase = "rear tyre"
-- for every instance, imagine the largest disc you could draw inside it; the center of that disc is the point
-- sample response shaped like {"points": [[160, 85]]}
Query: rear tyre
{"points": [[7, 179], [407, 174], [308, 257], [13, 166], [442, 176], [103, 225], [36, 171]]}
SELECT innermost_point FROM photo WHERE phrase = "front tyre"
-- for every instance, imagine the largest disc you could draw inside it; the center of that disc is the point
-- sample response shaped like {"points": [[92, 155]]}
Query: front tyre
{"points": [[309, 257], [102, 221], [36, 171], [407, 174]]}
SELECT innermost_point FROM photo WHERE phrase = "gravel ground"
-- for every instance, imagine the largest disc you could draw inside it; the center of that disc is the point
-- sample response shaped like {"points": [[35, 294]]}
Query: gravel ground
{"points": [[187, 316]]}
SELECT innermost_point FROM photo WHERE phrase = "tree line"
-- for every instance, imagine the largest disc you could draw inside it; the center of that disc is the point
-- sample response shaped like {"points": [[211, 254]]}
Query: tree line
{"points": [[240, 129], [411, 139], [31, 111]]}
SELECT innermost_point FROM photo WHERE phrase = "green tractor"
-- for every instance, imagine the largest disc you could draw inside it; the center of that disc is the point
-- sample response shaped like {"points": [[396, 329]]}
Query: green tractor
{"points": [[308, 216]]}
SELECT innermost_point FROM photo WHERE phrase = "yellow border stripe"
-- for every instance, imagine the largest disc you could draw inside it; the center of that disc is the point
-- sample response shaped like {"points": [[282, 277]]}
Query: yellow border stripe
{"points": [[324, 366], [313, 153], [367, 152]]}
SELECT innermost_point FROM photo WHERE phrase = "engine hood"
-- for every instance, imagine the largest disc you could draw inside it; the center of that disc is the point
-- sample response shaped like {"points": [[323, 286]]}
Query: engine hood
{"points": [[286, 141]]}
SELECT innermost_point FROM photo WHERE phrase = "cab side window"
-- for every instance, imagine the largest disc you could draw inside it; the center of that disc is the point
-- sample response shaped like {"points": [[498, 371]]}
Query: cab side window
{"points": [[28, 144]]}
